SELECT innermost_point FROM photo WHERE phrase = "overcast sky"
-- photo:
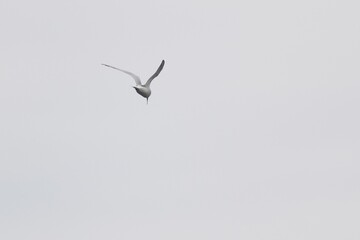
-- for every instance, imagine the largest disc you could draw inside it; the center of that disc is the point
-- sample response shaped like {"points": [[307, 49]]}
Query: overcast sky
{"points": [[252, 130]]}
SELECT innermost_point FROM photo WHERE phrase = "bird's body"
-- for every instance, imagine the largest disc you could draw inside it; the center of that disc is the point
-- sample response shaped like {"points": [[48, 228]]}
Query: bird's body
{"points": [[142, 89]]}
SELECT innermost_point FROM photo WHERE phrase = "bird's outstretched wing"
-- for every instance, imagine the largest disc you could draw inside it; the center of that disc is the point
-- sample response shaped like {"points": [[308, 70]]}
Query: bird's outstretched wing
{"points": [[135, 77], [155, 74]]}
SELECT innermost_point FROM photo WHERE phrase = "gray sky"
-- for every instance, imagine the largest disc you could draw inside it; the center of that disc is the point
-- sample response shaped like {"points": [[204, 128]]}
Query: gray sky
{"points": [[252, 131]]}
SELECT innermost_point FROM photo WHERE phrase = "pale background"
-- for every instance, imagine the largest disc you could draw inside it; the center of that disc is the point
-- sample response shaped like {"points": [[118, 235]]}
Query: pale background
{"points": [[252, 131]]}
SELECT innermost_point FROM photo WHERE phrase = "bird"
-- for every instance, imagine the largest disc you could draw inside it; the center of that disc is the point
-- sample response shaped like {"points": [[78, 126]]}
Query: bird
{"points": [[142, 89]]}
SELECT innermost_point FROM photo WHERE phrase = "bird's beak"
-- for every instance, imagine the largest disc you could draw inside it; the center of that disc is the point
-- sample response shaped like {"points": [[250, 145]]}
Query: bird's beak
{"points": [[147, 100]]}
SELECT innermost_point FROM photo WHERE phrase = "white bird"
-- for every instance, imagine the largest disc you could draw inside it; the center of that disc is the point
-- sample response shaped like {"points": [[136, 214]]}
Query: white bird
{"points": [[142, 89]]}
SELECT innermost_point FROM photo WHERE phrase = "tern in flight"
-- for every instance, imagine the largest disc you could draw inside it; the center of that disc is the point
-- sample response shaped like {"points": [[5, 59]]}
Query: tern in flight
{"points": [[142, 89]]}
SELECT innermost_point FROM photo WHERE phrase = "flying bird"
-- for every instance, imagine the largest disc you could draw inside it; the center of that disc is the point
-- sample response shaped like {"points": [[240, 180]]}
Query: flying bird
{"points": [[142, 89]]}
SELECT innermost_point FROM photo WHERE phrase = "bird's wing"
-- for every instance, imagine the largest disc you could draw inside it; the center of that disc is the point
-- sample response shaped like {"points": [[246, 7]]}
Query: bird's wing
{"points": [[155, 74], [136, 78]]}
